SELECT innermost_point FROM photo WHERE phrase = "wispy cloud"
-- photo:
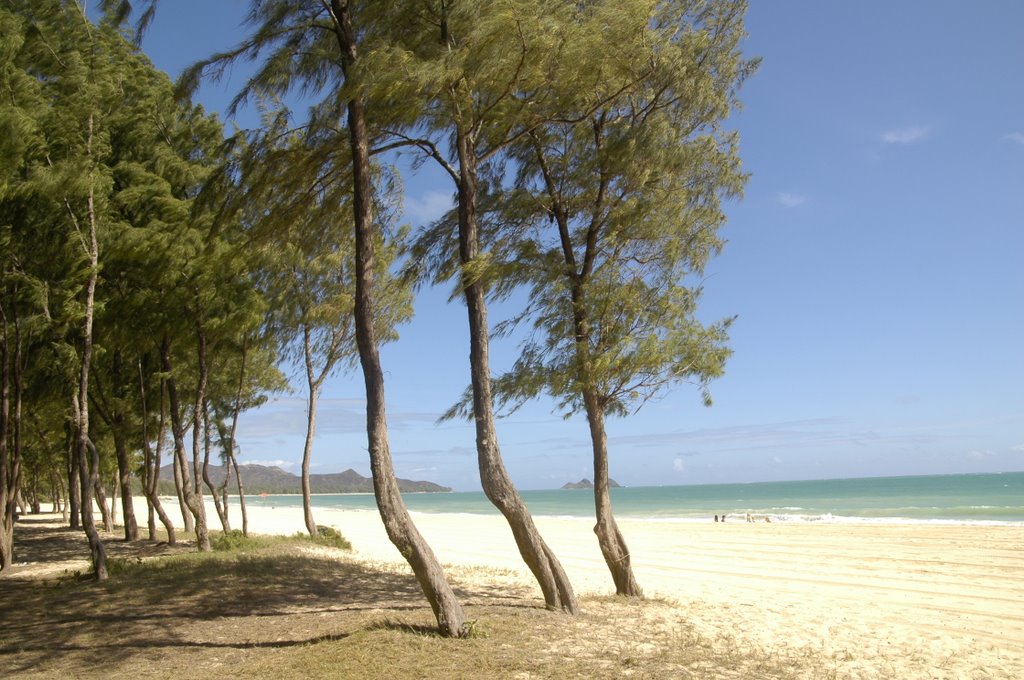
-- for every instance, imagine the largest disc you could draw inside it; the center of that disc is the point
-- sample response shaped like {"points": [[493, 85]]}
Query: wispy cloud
{"points": [[907, 135], [427, 207], [270, 463], [1015, 137], [791, 200]]}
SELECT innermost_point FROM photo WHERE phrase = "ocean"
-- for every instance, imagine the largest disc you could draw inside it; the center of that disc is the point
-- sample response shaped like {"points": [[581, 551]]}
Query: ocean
{"points": [[961, 499]]}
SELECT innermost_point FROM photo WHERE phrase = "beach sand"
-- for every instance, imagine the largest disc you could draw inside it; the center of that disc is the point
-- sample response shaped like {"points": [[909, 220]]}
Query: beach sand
{"points": [[900, 600]]}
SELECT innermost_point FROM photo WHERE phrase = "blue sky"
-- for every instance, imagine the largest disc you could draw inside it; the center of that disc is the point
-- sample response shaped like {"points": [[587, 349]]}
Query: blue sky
{"points": [[876, 265]]}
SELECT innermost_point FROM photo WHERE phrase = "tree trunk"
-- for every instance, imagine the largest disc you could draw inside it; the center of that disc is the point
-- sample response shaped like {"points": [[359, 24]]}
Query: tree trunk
{"points": [[99, 494], [609, 538], [7, 502], [221, 508], [613, 545], [241, 496], [229, 446], [397, 522], [89, 466], [192, 500], [307, 451], [151, 463], [113, 501], [124, 471], [88, 477], [497, 484], [179, 486], [74, 485]]}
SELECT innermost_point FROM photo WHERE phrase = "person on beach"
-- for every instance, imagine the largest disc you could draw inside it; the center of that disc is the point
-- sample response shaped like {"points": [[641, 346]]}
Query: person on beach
{"points": [[716, 518]]}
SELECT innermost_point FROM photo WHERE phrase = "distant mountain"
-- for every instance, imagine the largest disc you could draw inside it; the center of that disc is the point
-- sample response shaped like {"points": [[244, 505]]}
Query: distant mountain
{"points": [[587, 484], [264, 479]]}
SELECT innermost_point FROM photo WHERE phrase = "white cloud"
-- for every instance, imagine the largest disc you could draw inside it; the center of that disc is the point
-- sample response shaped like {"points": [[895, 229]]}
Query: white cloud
{"points": [[1015, 137], [678, 465], [427, 207], [791, 200], [981, 455], [270, 463], [1018, 447], [907, 135]]}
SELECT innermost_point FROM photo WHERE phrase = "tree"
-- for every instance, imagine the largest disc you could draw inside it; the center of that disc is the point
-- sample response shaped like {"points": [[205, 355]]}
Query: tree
{"points": [[316, 47], [612, 221], [484, 68]]}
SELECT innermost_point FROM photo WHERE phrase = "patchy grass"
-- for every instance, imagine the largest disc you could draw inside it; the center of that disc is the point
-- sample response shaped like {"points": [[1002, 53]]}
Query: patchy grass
{"points": [[271, 607]]}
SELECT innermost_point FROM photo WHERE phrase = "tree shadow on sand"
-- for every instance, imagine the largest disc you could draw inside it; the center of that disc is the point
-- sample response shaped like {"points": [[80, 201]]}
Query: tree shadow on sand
{"points": [[225, 605]]}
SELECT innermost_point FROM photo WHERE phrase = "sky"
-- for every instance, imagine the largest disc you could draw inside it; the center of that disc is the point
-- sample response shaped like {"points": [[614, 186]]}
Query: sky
{"points": [[875, 264]]}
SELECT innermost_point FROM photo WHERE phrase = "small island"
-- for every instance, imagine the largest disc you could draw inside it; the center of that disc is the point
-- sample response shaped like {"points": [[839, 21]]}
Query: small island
{"points": [[587, 484]]}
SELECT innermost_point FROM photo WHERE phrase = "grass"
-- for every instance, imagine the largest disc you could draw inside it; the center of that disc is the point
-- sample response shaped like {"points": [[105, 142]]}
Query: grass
{"points": [[262, 607]]}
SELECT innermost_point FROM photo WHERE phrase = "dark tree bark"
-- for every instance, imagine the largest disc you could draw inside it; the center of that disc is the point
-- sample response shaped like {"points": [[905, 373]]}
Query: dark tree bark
{"points": [[313, 386], [397, 522], [191, 499], [74, 486], [151, 462], [7, 494], [124, 471], [496, 482], [220, 507], [613, 545]]}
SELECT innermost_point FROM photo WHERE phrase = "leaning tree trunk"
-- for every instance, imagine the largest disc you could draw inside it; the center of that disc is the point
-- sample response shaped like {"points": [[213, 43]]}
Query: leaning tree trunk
{"points": [[397, 522], [151, 463], [221, 508], [190, 498], [179, 487], [241, 494], [496, 482], [613, 545], [307, 450]]}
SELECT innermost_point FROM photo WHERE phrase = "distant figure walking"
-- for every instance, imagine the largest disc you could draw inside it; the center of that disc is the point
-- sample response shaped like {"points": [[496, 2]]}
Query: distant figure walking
{"points": [[716, 518]]}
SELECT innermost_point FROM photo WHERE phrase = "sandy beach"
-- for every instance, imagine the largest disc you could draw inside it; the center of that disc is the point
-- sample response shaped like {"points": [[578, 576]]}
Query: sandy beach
{"points": [[906, 600]]}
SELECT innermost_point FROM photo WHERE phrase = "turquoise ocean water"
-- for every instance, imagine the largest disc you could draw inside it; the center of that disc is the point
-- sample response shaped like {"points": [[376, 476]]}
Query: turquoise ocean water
{"points": [[973, 499]]}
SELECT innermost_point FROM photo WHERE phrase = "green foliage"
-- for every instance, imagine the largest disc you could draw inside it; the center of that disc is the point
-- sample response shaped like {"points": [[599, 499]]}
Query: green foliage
{"points": [[331, 537]]}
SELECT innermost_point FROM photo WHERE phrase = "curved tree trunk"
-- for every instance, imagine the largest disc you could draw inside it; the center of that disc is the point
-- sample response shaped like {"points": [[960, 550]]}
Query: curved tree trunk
{"points": [[89, 467], [220, 507], [179, 486], [151, 464], [307, 450], [100, 493], [124, 476], [613, 545], [496, 482], [397, 522], [192, 500], [241, 496]]}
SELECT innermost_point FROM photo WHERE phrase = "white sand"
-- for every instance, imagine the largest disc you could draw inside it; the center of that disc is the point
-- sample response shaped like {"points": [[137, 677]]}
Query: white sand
{"points": [[915, 601]]}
